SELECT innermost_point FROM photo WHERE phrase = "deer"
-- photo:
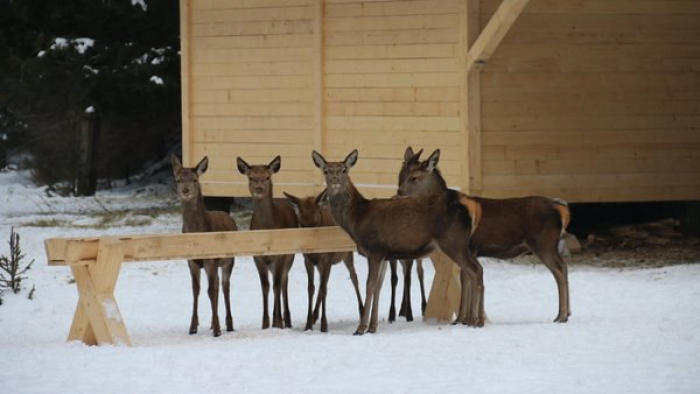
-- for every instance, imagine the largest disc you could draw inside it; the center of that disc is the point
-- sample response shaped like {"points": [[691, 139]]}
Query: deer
{"points": [[197, 219], [508, 227], [442, 222], [269, 213], [313, 213]]}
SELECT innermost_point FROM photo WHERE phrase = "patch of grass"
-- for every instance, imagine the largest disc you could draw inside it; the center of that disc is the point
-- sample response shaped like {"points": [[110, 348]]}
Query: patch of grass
{"points": [[108, 219]]}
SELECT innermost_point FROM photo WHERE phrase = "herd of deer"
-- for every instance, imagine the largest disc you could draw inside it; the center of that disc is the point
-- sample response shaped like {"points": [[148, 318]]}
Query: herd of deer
{"points": [[424, 216]]}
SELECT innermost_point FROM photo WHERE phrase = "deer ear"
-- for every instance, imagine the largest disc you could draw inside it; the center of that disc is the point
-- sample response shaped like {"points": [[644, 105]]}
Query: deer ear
{"points": [[416, 157], [408, 155], [433, 160], [202, 166], [351, 159], [293, 199], [319, 161], [275, 164], [177, 166], [243, 167]]}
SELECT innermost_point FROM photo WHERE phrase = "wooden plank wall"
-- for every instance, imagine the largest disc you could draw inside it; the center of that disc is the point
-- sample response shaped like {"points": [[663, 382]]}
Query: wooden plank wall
{"points": [[594, 100], [251, 90], [389, 77]]}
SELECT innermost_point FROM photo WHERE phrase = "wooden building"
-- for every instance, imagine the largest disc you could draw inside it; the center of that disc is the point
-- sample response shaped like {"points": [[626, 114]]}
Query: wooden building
{"points": [[587, 100]]}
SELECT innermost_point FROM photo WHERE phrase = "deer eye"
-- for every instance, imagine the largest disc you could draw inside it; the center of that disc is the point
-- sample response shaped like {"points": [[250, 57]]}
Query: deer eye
{"points": [[413, 179], [325, 171]]}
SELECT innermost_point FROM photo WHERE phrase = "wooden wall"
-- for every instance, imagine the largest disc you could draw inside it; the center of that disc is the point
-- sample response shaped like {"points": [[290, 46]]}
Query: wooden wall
{"points": [[594, 100]]}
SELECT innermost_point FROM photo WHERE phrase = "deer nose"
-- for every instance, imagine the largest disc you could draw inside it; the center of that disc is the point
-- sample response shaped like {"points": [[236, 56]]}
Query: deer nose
{"points": [[400, 193], [185, 191]]}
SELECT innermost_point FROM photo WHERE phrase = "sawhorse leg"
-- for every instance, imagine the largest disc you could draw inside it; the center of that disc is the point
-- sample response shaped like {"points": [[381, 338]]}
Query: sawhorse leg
{"points": [[97, 320], [446, 291]]}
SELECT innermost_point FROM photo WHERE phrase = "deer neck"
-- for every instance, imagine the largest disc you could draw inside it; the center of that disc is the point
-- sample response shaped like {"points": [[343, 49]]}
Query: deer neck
{"points": [[344, 204], [193, 215], [264, 210]]}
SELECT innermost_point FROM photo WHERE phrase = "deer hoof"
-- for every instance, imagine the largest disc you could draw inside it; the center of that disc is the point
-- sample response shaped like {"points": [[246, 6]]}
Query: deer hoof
{"points": [[358, 333], [193, 331], [217, 333], [561, 319]]}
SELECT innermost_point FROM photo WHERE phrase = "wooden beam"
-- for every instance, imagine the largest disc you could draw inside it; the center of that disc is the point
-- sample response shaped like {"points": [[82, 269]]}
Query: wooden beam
{"points": [[446, 292], [484, 46], [185, 13], [319, 61], [154, 247]]}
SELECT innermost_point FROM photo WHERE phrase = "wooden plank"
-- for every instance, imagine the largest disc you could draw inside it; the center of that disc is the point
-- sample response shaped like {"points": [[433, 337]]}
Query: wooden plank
{"points": [[393, 37], [429, 140], [253, 109], [253, 122], [186, 88], [255, 82], [361, 66], [253, 41], [404, 51], [155, 247], [433, 79], [246, 136], [582, 181], [319, 130], [275, 27], [252, 14], [394, 94], [494, 31], [471, 100], [392, 109], [250, 55], [617, 7], [641, 151], [611, 165], [243, 4], [591, 138], [235, 69], [393, 123], [392, 8], [393, 22]]}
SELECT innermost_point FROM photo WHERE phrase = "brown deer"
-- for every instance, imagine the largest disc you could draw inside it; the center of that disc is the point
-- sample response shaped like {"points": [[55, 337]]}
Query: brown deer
{"points": [[311, 213], [196, 219], [508, 227], [443, 221], [270, 214]]}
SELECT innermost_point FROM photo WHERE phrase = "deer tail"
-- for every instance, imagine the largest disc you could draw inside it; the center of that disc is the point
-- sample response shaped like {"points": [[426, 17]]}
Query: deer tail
{"points": [[563, 209], [474, 209]]}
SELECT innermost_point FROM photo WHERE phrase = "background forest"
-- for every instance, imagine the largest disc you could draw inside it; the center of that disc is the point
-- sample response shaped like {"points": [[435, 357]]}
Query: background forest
{"points": [[62, 60]]}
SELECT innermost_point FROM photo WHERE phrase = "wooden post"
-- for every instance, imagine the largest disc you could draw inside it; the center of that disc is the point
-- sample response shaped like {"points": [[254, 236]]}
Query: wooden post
{"points": [[446, 291], [87, 176], [97, 319]]}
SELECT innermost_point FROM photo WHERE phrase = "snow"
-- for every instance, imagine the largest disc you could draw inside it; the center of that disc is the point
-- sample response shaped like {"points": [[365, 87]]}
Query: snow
{"points": [[632, 330], [157, 80]]}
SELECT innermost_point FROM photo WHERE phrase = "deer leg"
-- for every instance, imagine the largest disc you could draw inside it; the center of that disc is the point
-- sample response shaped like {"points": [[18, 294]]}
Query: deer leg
{"points": [[350, 265], [325, 275], [556, 265], [374, 322], [394, 282], [212, 269], [265, 286], [285, 293], [194, 273], [421, 274], [311, 289], [277, 296], [406, 309], [226, 269], [477, 291], [373, 266]]}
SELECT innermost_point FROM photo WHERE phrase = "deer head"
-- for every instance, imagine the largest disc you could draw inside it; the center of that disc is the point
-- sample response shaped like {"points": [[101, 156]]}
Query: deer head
{"points": [[335, 173], [187, 179], [309, 209], [259, 176], [416, 177]]}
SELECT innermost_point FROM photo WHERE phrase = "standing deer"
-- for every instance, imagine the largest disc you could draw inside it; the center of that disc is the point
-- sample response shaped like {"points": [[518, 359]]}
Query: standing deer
{"points": [[406, 309], [270, 214], [443, 221], [196, 219], [311, 213], [508, 227]]}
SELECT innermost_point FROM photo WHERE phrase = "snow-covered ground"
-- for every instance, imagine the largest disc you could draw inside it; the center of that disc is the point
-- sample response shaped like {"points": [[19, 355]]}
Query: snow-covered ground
{"points": [[632, 330]]}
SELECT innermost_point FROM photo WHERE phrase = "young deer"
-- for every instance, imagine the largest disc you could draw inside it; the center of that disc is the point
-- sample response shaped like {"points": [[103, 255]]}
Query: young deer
{"points": [[443, 221], [196, 219], [270, 214], [313, 214], [508, 227]]}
